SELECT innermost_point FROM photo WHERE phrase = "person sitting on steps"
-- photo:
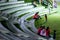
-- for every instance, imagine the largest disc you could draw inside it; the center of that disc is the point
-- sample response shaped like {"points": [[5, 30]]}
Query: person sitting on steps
{"points": [[47, 33], [36, 16], [39, 30], [43, 32]]}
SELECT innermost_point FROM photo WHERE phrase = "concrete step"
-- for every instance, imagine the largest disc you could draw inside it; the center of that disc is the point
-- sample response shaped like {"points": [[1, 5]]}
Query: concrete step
{"points": [[3, 29], [13, 28], [12, 35], [3, 37], [10, 3], [8, 36], [12, 6], [16, 9]]}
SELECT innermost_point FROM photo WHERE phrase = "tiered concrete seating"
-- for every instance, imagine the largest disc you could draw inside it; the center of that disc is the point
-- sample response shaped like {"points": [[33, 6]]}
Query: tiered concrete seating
{"points": [[21, 8], [10, 24]]}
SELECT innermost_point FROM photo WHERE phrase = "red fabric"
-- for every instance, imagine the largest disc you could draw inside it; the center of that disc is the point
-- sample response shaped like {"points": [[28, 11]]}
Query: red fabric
{"points": [[35, 16], [39, 30], [47, 32]]}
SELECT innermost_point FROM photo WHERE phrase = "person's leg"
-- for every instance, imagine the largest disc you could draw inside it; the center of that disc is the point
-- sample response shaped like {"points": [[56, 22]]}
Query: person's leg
{"points": [[46, 19]]}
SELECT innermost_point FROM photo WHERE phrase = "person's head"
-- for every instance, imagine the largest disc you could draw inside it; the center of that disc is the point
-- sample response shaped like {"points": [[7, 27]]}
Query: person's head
{"points": [[40, 26], [47, 28], [54, 30], [45, 14], [36, 13], [43, 27]]}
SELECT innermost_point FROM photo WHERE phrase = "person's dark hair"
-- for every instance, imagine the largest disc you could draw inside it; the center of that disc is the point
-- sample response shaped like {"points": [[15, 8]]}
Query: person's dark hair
{"points": [[54, 30], [40, 26], [37, 12], [47, 28], [45, 14], [43, 27]]}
